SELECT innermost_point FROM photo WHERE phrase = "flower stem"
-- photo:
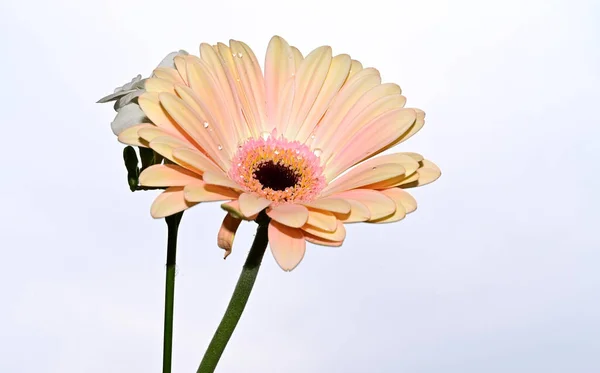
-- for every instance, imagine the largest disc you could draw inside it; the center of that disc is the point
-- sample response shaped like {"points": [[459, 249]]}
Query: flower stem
{"points": [[239, 298], [172, 228]]}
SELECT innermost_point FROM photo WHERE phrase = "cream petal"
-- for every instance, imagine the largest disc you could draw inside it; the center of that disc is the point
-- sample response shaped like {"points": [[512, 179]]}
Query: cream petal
{"points": [[165, 145], [220, 179], [371, 138], [148, 134], [399, 197], [354, 68], [279, 67], [202, 192], [130, 135], [402, 197], [337, 205], [180, 65], [287, 245], [166, 175], [292, 215], [335, 78], [323, 220], [416, 127], [308, 82], [169, 202], [358, 213], [321, 241], [363, 174], [252, 203], [195, 159], [168, 74], [227, 233], [379, 204], [409, 163], [428, 173], [338, 235], [151, 106], [159, 85], [298, 58]]}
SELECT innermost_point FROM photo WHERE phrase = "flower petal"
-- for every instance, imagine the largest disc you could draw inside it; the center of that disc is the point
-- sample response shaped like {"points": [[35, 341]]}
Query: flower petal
{"points": [[165, 145], [323, 220], [292, 215], [338, 235], [371, 138], [287, 245], [308, 82], [358, 213], [428, 173], [220, 179], [161, 175], [233, 207], [335, 78], [409, 163], [169, 202], [197, 160], [130, 135], [127, 116], [279, 67], [151, 105], [321, 241], [399, 197], [159, 85], [330, 204], [365, 173], [252, 203], [201, 192], [379, 204], [227, 233]]}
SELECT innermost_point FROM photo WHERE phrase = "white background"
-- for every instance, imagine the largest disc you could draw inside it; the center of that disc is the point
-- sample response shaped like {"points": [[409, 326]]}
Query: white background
{"points": [[497, 270]]}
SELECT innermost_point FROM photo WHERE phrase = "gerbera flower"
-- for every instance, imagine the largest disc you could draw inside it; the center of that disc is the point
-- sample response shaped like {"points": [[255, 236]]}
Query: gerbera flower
{"points": [[299, 142]]}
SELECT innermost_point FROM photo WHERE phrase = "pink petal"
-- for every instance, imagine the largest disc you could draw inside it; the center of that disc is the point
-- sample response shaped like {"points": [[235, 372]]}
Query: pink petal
{"points": [[201, 192], [169, 74], [336, 76], [287, 245], [279, 67], [161, 175], [169, 202], [379, 204], [291, 215], [180, 65], [321, 241], [252, 203], [308, 82], [165, 145], [151, 106], [233, 207], [407, 162], [354, 88], [371, 138], [399, 197], [428, 173], [227, 233]]}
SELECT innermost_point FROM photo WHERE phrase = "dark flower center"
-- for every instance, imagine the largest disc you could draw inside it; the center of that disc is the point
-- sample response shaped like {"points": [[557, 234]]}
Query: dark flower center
{"points": [[275, 176]]}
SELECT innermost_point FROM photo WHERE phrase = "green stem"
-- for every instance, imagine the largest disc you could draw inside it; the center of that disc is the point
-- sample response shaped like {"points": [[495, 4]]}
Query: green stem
{"points": [[238, 299], [172, 228]]}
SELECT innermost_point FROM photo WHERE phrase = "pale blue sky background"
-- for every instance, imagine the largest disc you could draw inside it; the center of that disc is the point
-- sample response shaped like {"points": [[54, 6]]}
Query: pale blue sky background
{"points": [[497, 271]]}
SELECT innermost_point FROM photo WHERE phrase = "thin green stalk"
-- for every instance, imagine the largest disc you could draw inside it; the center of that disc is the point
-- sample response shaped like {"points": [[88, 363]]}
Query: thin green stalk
{"points": [[238, 299], [172, 228]]}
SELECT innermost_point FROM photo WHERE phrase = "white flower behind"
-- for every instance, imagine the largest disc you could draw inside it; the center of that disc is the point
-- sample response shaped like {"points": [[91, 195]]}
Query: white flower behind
{"points": [[128, 111]]}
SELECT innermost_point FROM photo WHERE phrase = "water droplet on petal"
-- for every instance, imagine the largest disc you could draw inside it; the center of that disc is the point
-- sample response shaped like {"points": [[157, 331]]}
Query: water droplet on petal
{"points": [[205, 124], [220, 147], [233, 54], [318, 152], [265, 135], [239, 54]]}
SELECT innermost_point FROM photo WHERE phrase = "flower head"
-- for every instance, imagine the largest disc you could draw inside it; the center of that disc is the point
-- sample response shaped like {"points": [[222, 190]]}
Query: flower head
{"points": [[299, 141]]}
